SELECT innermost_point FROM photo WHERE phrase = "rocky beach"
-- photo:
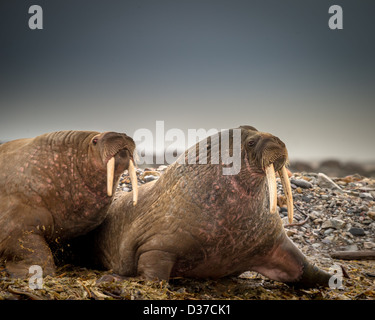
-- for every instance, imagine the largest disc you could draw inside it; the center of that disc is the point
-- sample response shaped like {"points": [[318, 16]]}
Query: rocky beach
{"points": [[333, 225]]}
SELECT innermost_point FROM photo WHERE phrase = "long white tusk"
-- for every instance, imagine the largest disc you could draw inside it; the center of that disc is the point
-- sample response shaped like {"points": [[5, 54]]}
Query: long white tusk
{"points": [[134, 180], [288, 192], [110, 175], [271, 181]]}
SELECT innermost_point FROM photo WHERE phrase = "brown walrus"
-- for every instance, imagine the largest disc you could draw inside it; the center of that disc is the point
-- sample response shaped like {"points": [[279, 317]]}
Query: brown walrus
{"points": [[55, 187], [196, 222]]}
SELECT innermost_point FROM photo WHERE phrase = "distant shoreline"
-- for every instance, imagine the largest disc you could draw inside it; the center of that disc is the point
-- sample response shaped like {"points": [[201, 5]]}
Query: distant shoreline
{"points": [[329, 166]]}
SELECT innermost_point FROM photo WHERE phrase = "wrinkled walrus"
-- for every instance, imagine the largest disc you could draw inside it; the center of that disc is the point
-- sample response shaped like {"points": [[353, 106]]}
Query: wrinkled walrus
{"points": [[55, 187], [196, 222]]}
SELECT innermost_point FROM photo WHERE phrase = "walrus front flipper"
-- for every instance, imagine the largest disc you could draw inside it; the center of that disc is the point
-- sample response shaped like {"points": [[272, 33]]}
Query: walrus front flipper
{"points": [[23, 229], [156, 264], [29, 249]]}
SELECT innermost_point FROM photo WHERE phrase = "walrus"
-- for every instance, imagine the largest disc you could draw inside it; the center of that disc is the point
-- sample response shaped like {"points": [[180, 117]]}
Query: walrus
{"points": [[196, 222], [55, 187]]}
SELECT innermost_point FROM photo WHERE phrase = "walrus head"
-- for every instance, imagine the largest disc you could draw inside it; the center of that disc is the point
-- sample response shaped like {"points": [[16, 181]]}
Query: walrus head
{"points": [[265, 154], [116, 152]]}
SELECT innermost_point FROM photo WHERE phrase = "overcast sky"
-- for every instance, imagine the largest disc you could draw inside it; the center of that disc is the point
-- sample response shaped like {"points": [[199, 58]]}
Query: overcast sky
{"points": [[123, 65]]}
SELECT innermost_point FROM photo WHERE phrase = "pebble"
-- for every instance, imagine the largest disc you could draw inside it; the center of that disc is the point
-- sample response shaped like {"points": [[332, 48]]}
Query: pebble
{"points": [[333, 223], [368, 245], [301, 183], [352, 247], [328, 231], [283, 210], [307, 198], [357, 232], [150, 178], [371, 214]]}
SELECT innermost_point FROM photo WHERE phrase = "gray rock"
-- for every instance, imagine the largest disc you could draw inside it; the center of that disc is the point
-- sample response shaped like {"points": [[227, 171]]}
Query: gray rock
{"points": [[327, 224], [283, 210], [306, 198], [326, 240], [329, 239], [357, 232], [333, 223], [328, 231], [301, 183], [326, 182], [150, 178], [368, 245]]}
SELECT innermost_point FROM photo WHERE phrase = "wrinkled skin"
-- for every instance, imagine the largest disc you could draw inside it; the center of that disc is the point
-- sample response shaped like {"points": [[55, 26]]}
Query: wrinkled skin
{"points": [[54, 187], [196, 222]]}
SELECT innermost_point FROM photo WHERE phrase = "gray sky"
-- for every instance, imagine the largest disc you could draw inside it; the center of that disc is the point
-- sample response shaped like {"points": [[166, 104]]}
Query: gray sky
{"points": [[123, 65]]}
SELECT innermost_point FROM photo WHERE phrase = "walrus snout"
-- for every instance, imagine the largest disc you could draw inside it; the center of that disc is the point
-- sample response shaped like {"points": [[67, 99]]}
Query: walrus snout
{"points": [[112, 143], [274, 151], [116, 150], [270, 155]]}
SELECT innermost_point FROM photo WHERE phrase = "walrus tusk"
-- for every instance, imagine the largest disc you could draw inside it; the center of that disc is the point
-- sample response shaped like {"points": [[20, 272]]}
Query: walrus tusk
{"points": [[134, 180], [271, 181], [288, 192], [110, 175]]}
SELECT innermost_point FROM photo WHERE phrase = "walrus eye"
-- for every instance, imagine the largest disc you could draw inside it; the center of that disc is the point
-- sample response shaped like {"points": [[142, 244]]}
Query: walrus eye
{"points": [[95, 141], [251, 143]]}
